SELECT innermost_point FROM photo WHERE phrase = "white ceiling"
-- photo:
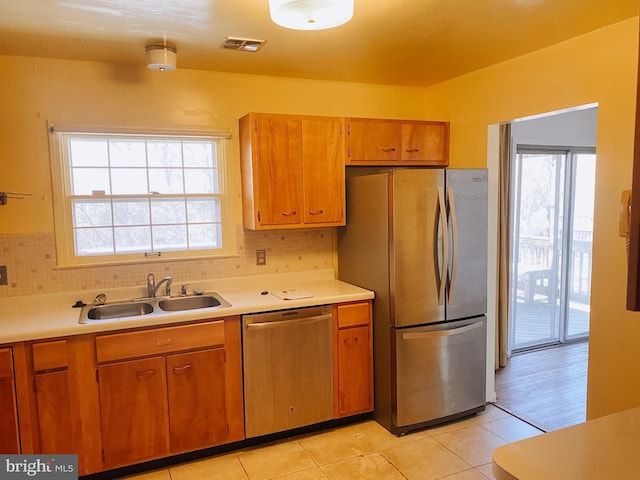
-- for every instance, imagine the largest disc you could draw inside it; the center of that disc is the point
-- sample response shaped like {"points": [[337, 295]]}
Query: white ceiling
{"points": [[399, 42]]}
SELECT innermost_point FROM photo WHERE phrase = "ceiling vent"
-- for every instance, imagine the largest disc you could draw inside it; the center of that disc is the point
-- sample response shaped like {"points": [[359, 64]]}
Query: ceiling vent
{"points": [[243, 44]]}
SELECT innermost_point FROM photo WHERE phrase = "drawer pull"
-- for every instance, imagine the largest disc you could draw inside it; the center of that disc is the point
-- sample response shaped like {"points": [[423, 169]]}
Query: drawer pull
{"points": [[182, 369], [316, 212], [412, 150], [288, 214], [389, 149], [350, 341], [163, 343], [148, 373]]}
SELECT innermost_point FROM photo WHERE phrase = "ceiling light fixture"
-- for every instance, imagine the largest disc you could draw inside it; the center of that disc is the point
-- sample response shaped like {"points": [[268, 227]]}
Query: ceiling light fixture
{"points": [[161, 56], [310, 14]]}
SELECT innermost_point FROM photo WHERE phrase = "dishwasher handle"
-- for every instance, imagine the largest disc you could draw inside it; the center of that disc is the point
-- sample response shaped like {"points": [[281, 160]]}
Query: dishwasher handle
{"points": [[285, 323]]}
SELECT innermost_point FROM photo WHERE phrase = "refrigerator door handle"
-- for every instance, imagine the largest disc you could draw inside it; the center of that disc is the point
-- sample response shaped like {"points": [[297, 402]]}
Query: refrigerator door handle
{"points": [[441, 333], [445, 245], [454, 244]]}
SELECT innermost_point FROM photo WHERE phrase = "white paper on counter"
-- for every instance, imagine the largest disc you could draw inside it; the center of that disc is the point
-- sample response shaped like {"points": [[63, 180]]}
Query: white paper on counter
{"points": [[290, 294]]}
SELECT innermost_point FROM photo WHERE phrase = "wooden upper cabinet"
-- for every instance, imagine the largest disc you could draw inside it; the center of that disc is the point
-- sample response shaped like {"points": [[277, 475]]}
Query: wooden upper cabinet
{"points": [[323, 170], [377, 141], [397, 142], [278, 170], [425, 142], [292, 171]]}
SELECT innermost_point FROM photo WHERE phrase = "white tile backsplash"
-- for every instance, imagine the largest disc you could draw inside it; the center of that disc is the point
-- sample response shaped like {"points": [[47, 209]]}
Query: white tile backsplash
{"points": [[31, 261]]}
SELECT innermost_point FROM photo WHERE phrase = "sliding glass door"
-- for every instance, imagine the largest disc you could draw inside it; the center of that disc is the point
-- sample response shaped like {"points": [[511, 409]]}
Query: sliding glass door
{"points": [[552, 232]]}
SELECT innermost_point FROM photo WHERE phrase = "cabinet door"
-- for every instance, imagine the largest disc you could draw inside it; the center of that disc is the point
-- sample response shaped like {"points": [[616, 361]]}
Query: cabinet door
{"points": [[354, 371], [54, 412], [425, 143], [197, 404], [133, 399], [9, 442], [278, 175], [323, 170], [374, 140]]}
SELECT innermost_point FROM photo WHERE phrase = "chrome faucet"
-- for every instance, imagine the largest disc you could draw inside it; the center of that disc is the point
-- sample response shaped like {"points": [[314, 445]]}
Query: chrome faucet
{"points": [[152, 288]]}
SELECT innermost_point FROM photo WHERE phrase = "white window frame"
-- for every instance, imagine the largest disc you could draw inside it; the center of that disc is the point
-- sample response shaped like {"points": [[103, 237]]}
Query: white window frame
{"points": [[62, 198]]}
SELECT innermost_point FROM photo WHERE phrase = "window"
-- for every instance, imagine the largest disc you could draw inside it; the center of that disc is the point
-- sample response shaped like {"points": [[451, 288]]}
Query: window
{"points": [[126, 197]]}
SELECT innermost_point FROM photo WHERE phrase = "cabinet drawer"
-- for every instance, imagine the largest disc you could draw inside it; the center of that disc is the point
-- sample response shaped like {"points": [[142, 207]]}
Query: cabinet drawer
{"points": [[162, 340], [50, 355], [6, 364], [353, 314]]}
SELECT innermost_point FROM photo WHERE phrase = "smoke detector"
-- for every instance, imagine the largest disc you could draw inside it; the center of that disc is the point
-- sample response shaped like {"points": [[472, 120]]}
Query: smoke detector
{"points": [[161, 56], [242, 44]]}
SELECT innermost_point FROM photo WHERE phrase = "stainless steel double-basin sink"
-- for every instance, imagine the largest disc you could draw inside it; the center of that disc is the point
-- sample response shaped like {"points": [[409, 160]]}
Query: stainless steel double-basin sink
{"points": [[117, 311]]}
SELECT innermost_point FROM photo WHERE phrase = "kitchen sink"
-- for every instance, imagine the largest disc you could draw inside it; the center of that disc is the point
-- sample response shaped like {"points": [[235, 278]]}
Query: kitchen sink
{"points": [[156, 307], [117, 310], [190, 303]]}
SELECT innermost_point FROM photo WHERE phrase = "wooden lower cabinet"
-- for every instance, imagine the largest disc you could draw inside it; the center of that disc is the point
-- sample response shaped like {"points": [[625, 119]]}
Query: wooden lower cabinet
{"points": [[53, 399], [354, 362], [353, 359], [174, 402], [55, 417], [197, 403], [134, 411], [9, 440]]}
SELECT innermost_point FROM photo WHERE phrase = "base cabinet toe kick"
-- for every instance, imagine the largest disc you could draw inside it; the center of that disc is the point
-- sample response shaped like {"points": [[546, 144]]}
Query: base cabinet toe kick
{"points": [[138, 395]]}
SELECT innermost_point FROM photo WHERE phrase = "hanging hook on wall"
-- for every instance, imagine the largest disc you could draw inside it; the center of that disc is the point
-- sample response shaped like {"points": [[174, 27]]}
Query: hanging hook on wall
{"points": [[4, 196]]}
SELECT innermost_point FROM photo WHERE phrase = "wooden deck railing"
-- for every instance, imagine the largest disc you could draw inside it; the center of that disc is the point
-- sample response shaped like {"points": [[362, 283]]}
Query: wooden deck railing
{"points": [[535, 258]]}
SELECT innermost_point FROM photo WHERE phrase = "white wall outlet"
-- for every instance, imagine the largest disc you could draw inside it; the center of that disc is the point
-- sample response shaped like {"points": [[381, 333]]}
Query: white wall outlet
{"points": [[261, 257]]}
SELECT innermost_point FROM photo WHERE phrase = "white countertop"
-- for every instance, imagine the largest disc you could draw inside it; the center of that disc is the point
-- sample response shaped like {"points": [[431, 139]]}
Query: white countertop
{"points": [[48, 316], [603, 448]]}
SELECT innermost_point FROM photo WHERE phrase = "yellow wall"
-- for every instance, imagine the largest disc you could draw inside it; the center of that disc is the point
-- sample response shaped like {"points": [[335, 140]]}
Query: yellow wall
{"points": [[597, 67], [36, 90]]}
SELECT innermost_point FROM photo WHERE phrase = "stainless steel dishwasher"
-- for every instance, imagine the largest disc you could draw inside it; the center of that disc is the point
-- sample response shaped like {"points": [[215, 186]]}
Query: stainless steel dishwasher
{"points": [[288, 369]]}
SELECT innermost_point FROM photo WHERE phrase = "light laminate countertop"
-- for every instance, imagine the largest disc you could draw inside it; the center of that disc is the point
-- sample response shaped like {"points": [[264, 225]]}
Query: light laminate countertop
{"points": [[603, 448], [48, 316]]}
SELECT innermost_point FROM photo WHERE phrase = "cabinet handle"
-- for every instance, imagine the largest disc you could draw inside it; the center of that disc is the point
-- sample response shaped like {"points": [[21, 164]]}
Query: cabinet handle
{"points": [[148, 373], [288, 214], [163, 343], [350, 341], [182, 369], [389, 149], [316, 212], [412, 150]]}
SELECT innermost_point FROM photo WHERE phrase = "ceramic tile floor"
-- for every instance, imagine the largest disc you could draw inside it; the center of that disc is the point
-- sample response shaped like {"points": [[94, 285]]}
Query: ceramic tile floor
{"points": [[457, 451]]}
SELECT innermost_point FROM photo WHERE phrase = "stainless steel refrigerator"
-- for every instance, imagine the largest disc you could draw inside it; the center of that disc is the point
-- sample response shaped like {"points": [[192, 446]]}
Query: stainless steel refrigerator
{"points": [[418, 238]]}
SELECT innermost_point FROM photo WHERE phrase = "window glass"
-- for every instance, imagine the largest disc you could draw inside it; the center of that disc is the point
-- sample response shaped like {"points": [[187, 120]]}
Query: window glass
{"points": [[140, 195]]}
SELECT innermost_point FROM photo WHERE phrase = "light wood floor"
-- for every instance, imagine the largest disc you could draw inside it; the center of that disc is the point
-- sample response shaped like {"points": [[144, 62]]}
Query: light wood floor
{"points": [[547, 388]]}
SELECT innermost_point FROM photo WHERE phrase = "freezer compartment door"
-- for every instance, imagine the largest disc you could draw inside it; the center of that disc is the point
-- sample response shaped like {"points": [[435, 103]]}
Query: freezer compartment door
{"points": [[440, 370]]}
